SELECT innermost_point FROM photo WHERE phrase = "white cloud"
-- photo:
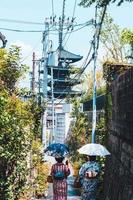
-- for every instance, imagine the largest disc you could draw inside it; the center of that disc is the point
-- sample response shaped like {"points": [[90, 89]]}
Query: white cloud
{"points": [[26, 57], [26, 51]]}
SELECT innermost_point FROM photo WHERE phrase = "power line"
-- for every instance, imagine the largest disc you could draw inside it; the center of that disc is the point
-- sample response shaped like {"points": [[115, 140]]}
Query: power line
{"points": [[72, 22], [78, 74], [61, 24], [81, 71], [22, 22], [95, 43], [100, 24], [98, 27], [40, 31], [35, 46], [73, 32], [90, 60], [21, 31]]}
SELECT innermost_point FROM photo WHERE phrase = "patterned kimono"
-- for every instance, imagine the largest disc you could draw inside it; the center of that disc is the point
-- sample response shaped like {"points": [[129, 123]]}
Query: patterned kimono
{"points": [[60, 186], [89, 185]]}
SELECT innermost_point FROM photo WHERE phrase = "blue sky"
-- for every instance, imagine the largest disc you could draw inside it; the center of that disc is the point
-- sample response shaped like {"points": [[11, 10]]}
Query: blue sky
{"points": [[36, 11]]}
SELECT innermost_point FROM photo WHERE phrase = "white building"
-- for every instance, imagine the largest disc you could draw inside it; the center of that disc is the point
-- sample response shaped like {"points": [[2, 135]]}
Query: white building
{"points": [[62, 119]]}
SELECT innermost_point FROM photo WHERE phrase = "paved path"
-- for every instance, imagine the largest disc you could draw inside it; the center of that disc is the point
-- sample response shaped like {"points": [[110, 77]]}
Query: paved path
{"points": [[69, 198]]}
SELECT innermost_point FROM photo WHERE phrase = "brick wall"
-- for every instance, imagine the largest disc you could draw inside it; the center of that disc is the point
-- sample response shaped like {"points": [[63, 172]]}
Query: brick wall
{"points": [[119, 166]]}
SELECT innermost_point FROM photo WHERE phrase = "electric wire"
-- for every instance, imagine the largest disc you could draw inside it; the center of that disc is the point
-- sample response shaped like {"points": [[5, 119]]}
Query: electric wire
{"points": [[80, 72], [85, 64], [21, 22], [61, 24], [73, 79], [83, 68], [72, 19], [29, 54], [20, 30], [95, 42], [40, 31], [76, 29], [100, 24]]}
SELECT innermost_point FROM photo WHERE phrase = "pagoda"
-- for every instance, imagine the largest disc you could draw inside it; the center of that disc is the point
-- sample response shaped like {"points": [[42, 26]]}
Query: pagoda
{"points": [[62, 81]]}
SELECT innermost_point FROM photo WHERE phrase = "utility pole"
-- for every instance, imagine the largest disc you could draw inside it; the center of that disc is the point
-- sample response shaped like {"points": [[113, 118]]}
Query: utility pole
{"points": [[44, 67], [93, 138], [58, 73], [95, 50], [53, 111], [33, 74], [61, 23]]}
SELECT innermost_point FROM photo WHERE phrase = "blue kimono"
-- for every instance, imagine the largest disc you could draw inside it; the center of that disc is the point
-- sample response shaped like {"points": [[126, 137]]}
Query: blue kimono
{"points": [[89, 185]]}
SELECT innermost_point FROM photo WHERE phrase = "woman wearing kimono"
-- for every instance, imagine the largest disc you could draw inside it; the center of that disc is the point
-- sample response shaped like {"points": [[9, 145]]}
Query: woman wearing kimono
{"points": [[88, 174], [59, 172]]}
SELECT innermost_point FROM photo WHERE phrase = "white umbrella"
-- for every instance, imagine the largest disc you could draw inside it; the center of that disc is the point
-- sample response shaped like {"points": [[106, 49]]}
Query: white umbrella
{"points": [[94, 149]]}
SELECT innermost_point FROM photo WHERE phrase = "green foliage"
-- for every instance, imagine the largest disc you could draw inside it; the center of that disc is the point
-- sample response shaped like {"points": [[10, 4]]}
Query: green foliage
{"points": [[39, 170], [74, 70], [15, 127], [10, 68], [36, 111], [89, 85], [111, 41], [78, 131], [15, 137], [101, 131], [127, 36], [102, 3], [36, 152]]}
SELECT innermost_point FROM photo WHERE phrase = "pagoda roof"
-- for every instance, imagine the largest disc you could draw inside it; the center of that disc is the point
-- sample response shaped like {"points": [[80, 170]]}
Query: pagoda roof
{"points": [[66, 68], [62, 94], [68, 56], [67, 82]]}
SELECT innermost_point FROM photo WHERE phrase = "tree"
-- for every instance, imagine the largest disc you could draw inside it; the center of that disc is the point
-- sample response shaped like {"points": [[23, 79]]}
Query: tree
{"points": [[40, 167], [111, 41], [11, 69], [102, 3], [127, 38], [78, 134], [89, 85], [15, 128], [15, 138]]}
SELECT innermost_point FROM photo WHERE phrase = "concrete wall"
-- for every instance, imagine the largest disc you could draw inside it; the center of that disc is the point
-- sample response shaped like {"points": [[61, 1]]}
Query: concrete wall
{"points": [[119, 166]]}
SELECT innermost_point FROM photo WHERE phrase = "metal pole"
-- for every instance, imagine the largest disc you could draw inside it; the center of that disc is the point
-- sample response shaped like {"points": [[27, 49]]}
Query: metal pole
{"points": [[94, 102], [98, 27], [44, 128], [33, 74], [61, 23], [53, 118], [44, 63], [93, 138]]}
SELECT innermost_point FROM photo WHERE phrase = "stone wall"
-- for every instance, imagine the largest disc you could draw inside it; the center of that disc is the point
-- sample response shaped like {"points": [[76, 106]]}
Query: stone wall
{"points": [[119, 166]]}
